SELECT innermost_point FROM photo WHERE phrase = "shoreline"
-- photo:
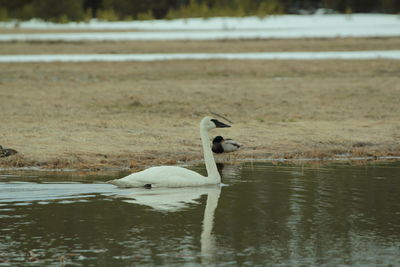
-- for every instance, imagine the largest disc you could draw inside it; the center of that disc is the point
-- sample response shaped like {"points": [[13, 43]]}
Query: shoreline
{"points": [[102, 169], [19, 163]]}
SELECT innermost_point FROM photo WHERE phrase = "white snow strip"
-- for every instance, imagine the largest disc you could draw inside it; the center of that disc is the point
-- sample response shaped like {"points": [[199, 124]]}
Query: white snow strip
{"points": [[284, 26], [222, 23], [207, 35], [350, 55]]}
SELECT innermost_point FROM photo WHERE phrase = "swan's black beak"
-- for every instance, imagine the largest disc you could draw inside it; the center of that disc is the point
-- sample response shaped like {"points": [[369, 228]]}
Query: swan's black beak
{"points": [[219, 124]]}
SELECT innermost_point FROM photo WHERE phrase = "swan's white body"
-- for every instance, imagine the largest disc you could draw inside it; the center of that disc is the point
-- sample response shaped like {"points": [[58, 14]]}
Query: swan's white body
{"points": [[172, 176], [165, 176]]}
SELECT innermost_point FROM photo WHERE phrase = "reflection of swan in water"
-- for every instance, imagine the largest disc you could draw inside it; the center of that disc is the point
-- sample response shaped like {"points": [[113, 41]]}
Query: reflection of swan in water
{"points": [[175, 199], [166, 199], [207, 240]]}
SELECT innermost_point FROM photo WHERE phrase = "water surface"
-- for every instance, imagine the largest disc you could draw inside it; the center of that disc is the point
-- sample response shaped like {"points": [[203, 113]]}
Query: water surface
{"points": [[269, 215]]}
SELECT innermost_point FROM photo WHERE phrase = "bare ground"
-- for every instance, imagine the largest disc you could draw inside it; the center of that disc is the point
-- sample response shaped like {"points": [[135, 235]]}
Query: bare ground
{"points": [[228, 46], [101, 115]]}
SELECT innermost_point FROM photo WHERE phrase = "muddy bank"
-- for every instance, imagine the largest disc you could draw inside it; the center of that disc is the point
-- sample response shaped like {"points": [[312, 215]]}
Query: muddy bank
{"points": [[136, 162]]}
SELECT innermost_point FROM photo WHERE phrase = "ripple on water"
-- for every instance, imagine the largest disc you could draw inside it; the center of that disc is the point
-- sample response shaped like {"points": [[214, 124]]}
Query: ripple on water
{"points": [[25, 193], [281, 215]]}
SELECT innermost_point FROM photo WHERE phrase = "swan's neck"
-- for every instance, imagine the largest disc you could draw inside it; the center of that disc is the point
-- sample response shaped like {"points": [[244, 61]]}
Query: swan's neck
{"points": [[212, 170]]}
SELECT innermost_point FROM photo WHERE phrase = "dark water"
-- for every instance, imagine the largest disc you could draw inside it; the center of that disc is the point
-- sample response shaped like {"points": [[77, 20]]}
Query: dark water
{"points": [[330, 215]]}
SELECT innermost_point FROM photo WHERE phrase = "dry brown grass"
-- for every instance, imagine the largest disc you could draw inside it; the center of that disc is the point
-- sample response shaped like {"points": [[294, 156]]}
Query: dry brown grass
{"points": [[228, 46], [100, 115]]}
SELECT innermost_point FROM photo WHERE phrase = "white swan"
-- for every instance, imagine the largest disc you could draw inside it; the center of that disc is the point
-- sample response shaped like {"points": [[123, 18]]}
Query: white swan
{"points": [[173, 176]]}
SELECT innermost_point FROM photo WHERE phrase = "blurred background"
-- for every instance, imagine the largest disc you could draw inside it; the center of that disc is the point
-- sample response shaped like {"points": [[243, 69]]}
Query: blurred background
{"points": [[112, 10], [118, 82]]}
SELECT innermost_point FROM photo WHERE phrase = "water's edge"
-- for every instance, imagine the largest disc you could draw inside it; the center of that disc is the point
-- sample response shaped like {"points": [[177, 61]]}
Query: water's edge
{"points": [[380, 159]]}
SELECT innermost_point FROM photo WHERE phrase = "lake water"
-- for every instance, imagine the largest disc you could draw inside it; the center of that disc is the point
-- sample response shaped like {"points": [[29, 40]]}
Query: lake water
{"points": [[330, 214]]}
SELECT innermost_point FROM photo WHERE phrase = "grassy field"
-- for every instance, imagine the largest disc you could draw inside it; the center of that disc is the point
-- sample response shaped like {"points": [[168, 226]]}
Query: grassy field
{"points": [[135, 114], [217, 46]]}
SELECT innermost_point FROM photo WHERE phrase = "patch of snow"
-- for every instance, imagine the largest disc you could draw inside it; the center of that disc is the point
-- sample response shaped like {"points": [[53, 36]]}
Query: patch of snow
{"points": [[368, 31], [348, 55], [282, 26], [224, 23]]}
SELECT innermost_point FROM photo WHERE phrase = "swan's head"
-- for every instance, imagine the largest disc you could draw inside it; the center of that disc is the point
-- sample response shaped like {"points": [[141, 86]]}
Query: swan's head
{"points": [[218, 139], [209, 123]]}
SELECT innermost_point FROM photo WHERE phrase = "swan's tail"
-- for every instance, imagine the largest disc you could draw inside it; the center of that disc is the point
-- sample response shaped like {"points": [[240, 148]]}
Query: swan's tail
{"points": [[117, 182], [123, 184]]}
